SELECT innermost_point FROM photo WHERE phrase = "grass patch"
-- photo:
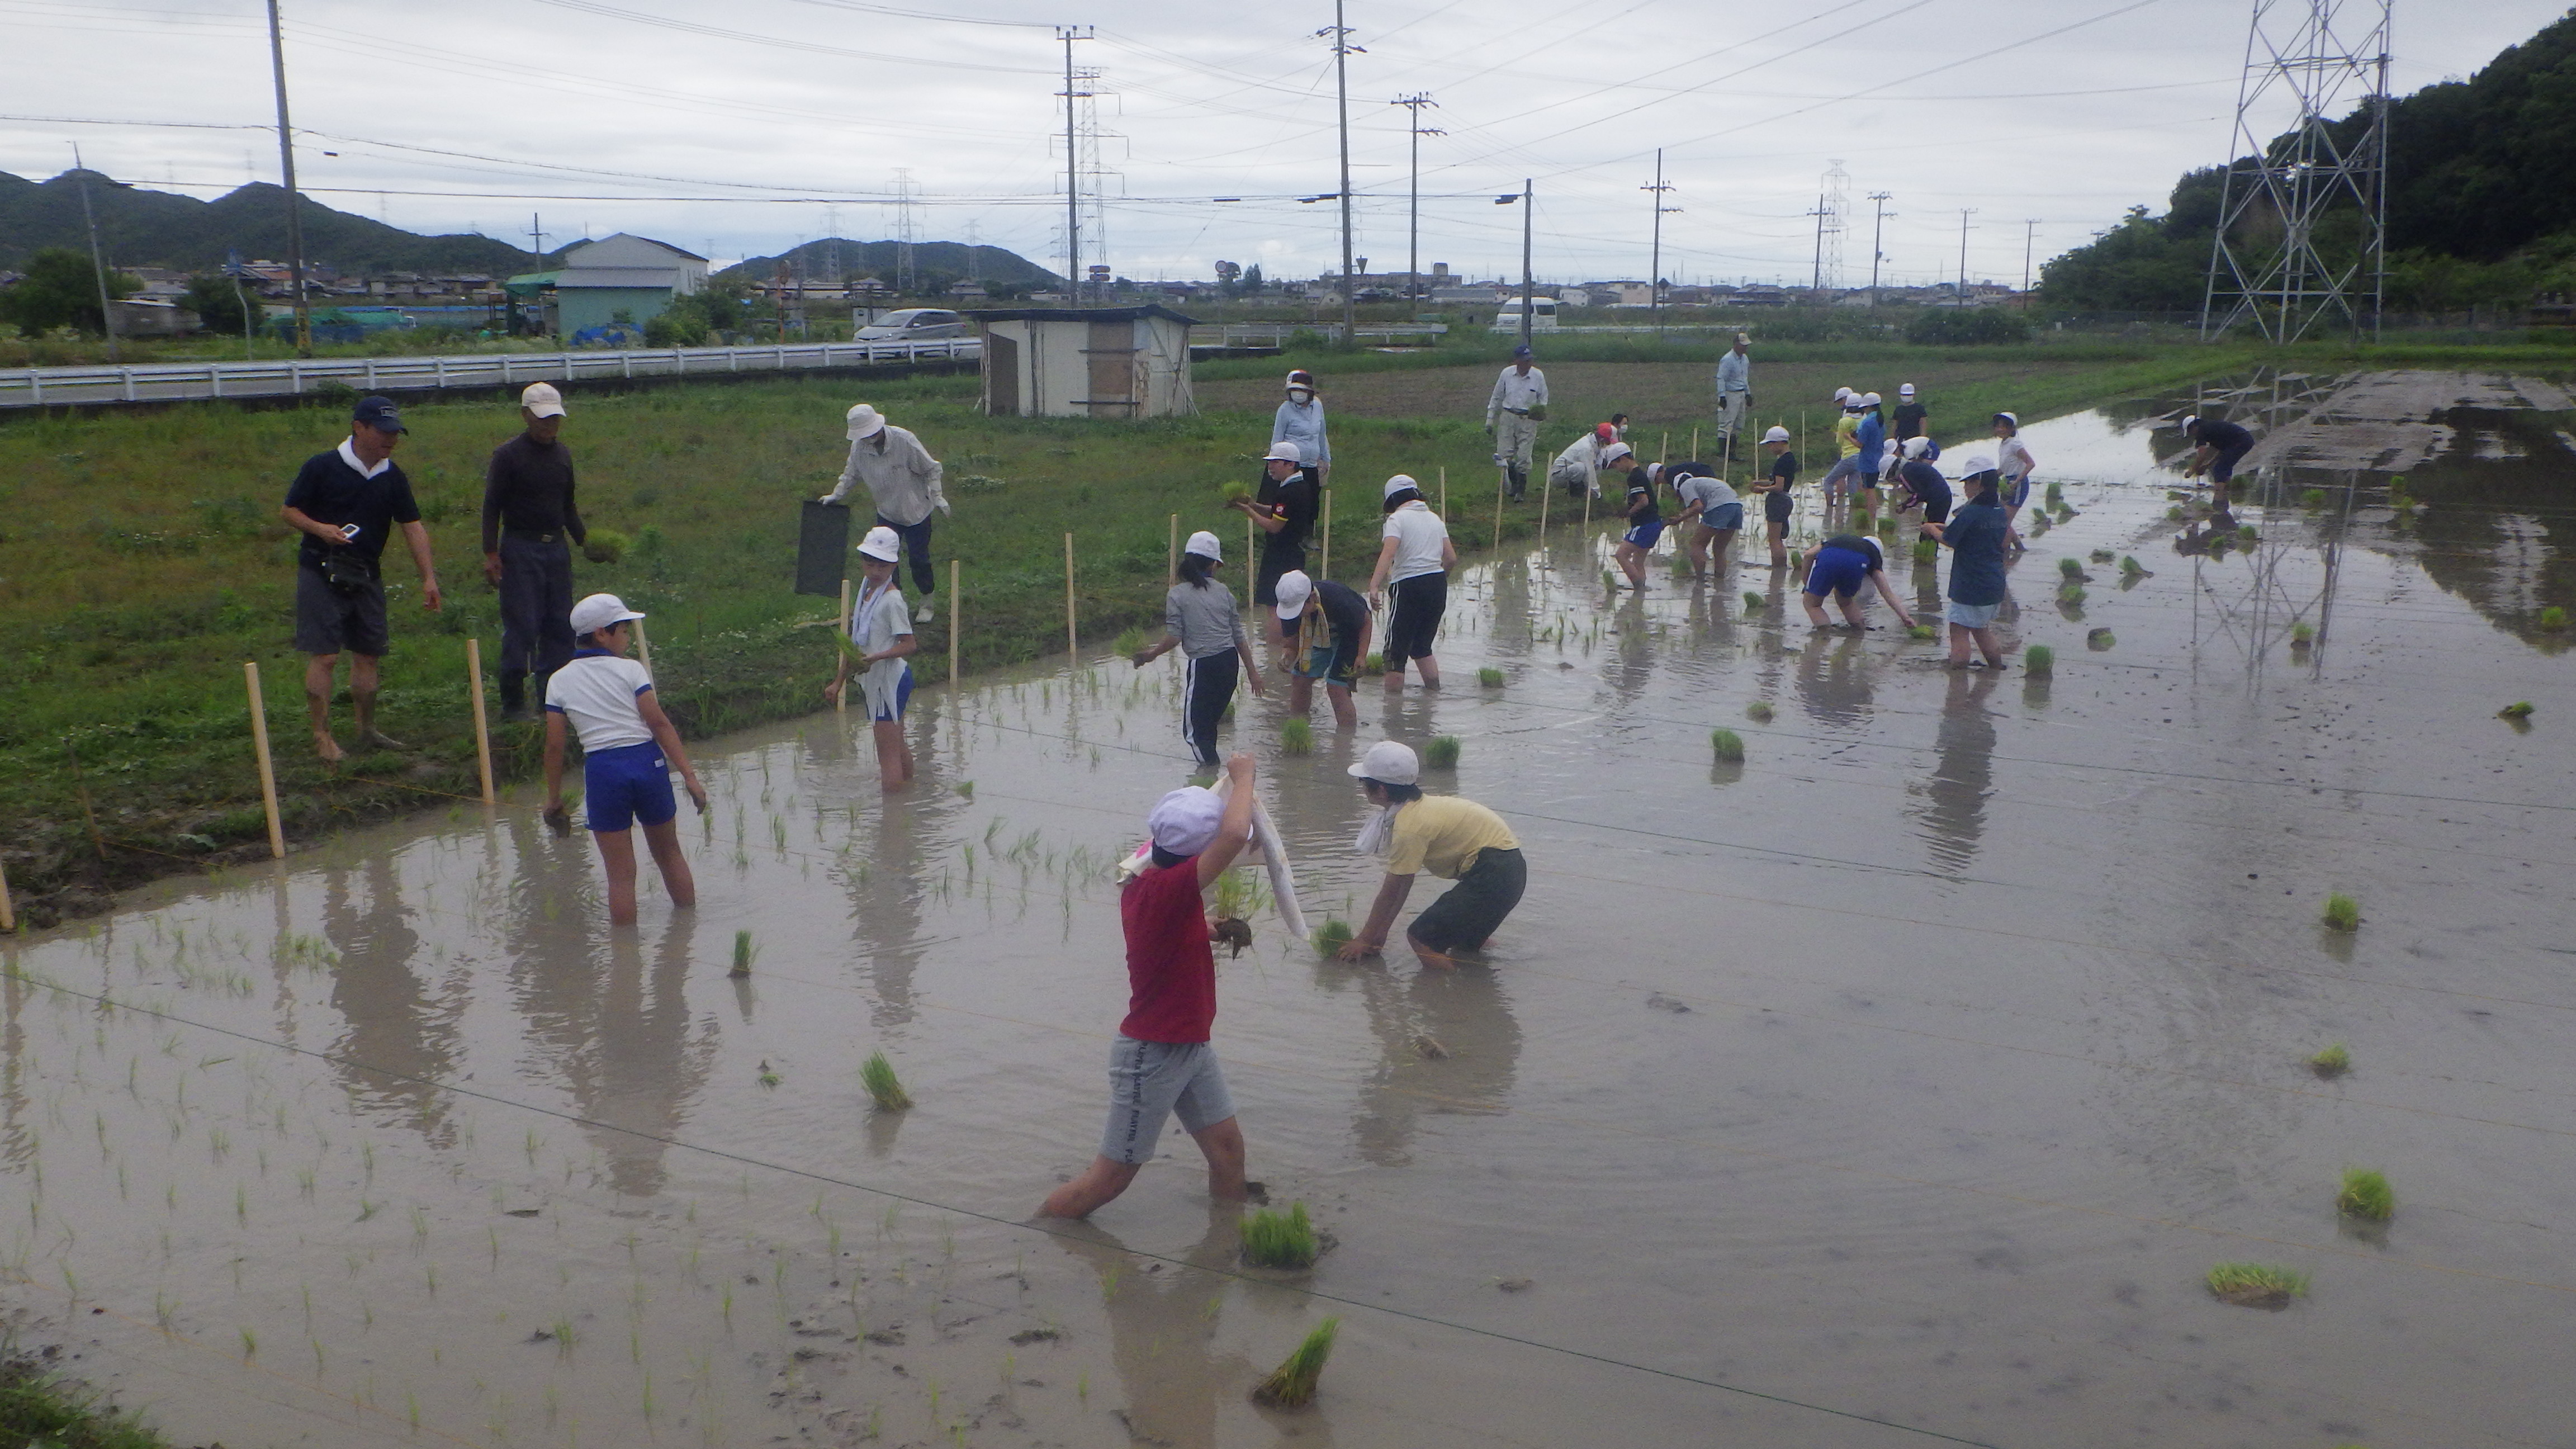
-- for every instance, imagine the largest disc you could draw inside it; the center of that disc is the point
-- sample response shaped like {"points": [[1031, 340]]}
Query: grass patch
{"points": [[1296, 736], [2257, 1285], [1273, 1239], [1759, 711], [2039, 659], [2366, 1195], [38, 1408], [2342, 912], [1441, 753], [2332, 1062], [1490, 677], [1727, 745], [1332, 936], [1292, 1384], [884, 1088]]}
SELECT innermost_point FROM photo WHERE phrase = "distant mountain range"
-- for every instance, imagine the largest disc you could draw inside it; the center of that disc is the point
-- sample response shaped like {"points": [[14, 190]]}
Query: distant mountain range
{"points": [[140, 228], [937, 264]]}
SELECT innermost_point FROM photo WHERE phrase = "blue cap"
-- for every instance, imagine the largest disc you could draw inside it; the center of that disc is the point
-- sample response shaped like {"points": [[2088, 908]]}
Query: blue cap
{"points": [[1521, 351], [379, 413]]}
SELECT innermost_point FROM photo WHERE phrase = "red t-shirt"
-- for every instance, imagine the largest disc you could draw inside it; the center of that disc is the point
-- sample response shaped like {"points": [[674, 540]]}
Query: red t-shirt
{"points": [[1171, 972]]}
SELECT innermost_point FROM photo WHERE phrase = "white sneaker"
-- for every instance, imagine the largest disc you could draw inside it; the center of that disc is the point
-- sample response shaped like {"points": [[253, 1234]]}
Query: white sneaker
{"points": [[922, 617]]}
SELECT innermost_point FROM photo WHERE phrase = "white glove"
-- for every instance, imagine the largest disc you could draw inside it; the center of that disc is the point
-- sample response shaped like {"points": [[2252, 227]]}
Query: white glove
{"points": [[829, 498], [942, 505]]}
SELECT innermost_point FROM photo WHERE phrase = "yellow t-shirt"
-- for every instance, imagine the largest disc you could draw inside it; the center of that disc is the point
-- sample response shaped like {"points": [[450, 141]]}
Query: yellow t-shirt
{"points": [[1847, 434], [1442, 834]]}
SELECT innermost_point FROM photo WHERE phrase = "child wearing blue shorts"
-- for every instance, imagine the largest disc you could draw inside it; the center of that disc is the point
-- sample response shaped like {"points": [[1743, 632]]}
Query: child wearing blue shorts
{"points": [[1645, 526], [1837, 568], [880, 639], [628, 748]]}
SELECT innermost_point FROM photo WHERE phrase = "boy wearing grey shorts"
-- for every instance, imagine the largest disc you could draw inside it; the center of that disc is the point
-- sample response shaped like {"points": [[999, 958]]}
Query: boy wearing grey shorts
{"points": [[1161, 1062]]}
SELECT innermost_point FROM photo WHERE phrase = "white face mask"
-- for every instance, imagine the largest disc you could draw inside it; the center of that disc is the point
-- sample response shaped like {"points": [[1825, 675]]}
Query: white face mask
{"points": [[1301, 394]]}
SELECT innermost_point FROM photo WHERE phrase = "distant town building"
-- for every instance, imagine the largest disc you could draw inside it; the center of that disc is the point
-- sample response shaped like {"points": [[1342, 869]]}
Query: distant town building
{"points": [[1114, 363], [599, 279]]}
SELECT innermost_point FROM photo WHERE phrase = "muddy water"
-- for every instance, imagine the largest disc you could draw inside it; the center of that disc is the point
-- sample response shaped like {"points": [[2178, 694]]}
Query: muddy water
{"points": [[1905, 1080]]}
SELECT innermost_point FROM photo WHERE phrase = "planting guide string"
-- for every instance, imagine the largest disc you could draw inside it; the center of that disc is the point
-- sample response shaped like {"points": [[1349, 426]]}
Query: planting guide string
{"points": [[1069, 1233]]}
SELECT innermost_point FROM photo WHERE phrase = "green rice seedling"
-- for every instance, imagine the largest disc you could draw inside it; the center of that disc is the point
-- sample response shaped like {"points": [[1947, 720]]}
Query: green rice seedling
{"points": [[2054, 494], [2366, 1195], [2342, 913], [1129, 644], [1925, 550], [1887, 527], [1232, 493], [2174, 514], [2101, 555], [1759, 711], [1918, 631], [1292, 1385], [2313, 498], [1375, 664], [2129, 564], [2070, 568], [877, 1075], [2332, 1062], [1862, 520], [2553, 619], [1441, 753], [2302, 635], [1609, 582], [2038, 659], [1727, 745], [1332, 936], [1490, 677], [604, 545], [1274, 1239], [2518, 710], [1296, 737], [741, 953], [1752, 602], [2257, 1285], [966, 789], [2100, 639], [2070, 593]]}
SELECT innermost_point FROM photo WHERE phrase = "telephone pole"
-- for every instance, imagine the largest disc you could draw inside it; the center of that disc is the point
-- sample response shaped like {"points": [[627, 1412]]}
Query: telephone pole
{"points": [[1413, 225], [2030, 233], [286, 164], [1964, 213], [1655, 268], [1817, 285], [1877, 232], [1528, 286], [97, 262], [1342, 49], [1072, 198]]}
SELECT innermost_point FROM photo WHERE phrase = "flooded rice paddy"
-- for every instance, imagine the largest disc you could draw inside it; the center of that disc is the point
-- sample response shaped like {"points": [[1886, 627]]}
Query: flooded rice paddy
{"points": [[1899, 1085]]}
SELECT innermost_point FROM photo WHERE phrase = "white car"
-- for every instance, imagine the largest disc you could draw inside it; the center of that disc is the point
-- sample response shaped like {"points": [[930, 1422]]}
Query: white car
{"points": [[913, 324], [1507, 318]]}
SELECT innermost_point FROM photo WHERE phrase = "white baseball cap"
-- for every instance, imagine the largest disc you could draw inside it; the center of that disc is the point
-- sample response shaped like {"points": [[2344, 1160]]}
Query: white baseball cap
{"points": [[1978, 463], [865, 422], [1778, 434], [1294, 590], [882, 544], [1204, 544], [1388, 763], [1284, 451], [1906, 391], [1869, 399], [1401, 482], [2188, 420], [1617, 451], [541, 400], [2009, 418], [1842, 394], [1185, 821], [1743, 341], [1916, 447], [598, 611]]}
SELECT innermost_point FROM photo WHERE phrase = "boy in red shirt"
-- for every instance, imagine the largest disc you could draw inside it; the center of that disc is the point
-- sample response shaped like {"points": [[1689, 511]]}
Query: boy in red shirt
{"points": [[1162, 1062]]}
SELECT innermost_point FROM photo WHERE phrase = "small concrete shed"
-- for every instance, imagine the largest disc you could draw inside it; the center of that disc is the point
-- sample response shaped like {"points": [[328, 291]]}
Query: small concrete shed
{"points": [[1100, 362]]}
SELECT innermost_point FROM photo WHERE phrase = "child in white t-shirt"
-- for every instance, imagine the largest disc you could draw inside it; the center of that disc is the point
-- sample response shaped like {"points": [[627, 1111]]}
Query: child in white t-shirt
{"points": [[880, 636], [628, 747]]}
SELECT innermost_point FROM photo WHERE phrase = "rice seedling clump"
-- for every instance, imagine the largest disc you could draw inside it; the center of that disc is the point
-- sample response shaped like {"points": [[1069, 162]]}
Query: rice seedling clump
{"points": [[1129, 643], [1728, 744], [2257, 1285], [1293, 1384], [1332, 936], [604, 546], [2100, 639], [2302, 635], [2332, 1062], [2343, 913], [1441, 753], [741, 953], [2070, 592], [1230, 494], [1490, 677], [1273, 1239], [1925, 550], [2366, 1195], [1752, 602], [1918, 631], [2553, 619], [1759, 711], [2070, 568], [1296, 737], [877, 1075], [2038, 659], [2101, 555], [2129, 564], [2520, 709]]}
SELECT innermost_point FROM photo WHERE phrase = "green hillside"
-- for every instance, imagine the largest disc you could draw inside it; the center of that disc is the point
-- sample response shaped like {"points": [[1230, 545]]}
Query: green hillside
{"points": [[937, 264], [144, 228]]}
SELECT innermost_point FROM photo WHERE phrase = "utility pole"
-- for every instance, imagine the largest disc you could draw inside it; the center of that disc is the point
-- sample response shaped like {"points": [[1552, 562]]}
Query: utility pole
{"points": [[1820, 213], [1655, 267], [1072, 198], [1342, 49], [1528, 285], [97, 264], [1964, 213], [1413, 224], [1877, 232], [286, 164], [2030, 231]]}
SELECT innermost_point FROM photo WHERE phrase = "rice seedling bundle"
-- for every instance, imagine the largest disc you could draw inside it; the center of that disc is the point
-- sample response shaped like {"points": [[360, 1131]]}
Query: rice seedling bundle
{"points": [[2366, 1195], [1293, 1384], [2332, 1062], [1490, 677], [1441, 753], [2257, 1285], [741, 953], [1728, 745], [884, 1088], [1273, 1239], [2038, 659], [1332, 936], [2520, 709], [2070, 568], [1296, 737], [2342, 912], [1759, 711], [1752, 602]]}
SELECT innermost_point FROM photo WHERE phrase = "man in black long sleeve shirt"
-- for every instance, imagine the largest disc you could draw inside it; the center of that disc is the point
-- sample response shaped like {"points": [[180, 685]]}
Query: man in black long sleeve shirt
{"points": [[528, 514]]}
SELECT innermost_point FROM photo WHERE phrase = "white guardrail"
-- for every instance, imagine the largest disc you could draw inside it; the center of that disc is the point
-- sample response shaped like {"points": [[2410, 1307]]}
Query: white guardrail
{"points": [[189, 382]]}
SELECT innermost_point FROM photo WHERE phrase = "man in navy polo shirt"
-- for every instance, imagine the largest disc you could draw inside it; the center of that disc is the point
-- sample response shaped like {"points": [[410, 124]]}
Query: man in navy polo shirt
{"points": [[347, 503]]}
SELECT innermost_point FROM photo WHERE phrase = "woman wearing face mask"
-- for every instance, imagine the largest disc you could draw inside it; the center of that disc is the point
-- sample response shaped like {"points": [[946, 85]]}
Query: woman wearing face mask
{"points": [[1300, 420]]}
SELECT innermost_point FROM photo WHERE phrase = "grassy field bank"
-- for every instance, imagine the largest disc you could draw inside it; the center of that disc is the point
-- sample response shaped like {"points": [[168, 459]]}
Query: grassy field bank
{"points": [[141, 561]]}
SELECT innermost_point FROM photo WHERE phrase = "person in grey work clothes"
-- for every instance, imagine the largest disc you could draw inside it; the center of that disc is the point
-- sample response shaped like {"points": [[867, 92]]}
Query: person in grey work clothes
{"points": [[1199, 619], [528, 514], [1300, 420], [1512, 415], [1734, 390], [903, 480]]}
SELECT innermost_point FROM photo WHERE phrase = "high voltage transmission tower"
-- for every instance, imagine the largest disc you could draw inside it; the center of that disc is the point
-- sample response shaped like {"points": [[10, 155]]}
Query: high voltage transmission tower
{"points": [[2268, 263], [905, 274], [1833, 215]]}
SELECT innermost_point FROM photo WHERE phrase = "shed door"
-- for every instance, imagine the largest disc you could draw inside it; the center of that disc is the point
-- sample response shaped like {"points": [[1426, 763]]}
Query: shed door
{"points": [[1001, 375], [1112, 350]]}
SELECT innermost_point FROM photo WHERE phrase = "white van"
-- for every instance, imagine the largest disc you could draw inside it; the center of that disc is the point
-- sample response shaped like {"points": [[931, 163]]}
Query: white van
{"points": [[1507, 318]]}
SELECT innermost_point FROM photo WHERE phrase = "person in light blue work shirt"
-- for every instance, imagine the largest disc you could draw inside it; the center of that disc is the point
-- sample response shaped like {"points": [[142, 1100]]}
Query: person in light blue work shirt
{"points": [[1300, 420], [1734, 390], [1872, 437]]}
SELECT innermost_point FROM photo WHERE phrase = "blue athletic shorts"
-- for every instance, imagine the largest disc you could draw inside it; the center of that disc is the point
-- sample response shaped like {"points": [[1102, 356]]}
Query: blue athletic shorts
{"points": [[1645, 534], [1724, 516], [1335, 661], [1837, 571], [626, 785], [902, 698], [2019, 494], [2224, 467]]}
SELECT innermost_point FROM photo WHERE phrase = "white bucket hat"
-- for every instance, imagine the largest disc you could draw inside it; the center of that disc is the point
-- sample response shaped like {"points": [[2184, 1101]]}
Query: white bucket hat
{"points": [[1400, 483], [882, 544], [1204, 544], [1185, 821], [865, 422], [1778, 434]]}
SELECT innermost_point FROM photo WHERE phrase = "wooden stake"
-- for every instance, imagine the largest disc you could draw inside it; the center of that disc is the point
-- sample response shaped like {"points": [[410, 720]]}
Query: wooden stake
{"points": [[97, 841], [8, 911], [482, 726], [644, 650], [956, 616], [1664, 450], [1072, 642], [1327, 570], [1591, 485], [1694, 457], [1502, 482], [841, 628], [1172, 570], [267, 769], [1444, 490]]}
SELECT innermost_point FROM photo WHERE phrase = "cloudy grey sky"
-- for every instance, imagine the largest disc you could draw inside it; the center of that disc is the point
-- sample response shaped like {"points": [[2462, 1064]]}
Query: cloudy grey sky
{"points": [[745, 127]]}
